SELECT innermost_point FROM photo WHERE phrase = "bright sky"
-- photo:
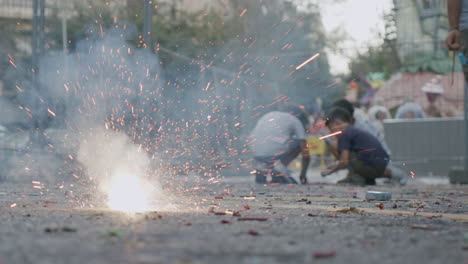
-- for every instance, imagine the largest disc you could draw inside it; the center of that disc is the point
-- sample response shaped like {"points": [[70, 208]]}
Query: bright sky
{"points": [[360, 19]]}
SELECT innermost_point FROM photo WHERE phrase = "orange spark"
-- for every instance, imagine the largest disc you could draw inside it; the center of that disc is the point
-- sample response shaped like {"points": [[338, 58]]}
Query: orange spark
{"points": [[207, 86], [333, 84], [331, 135], [13, 63], [243, 12], [51, 112], [307, 61]]}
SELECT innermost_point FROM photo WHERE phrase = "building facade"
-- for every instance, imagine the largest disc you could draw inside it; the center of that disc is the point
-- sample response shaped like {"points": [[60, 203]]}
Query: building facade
{"points": [[421, 27]]}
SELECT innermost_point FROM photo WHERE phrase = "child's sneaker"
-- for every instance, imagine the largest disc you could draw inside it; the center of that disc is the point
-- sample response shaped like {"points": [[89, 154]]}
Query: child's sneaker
{"points": [[261, 174], [281, 174], [399, 176], [260, 178], [279, 179]]}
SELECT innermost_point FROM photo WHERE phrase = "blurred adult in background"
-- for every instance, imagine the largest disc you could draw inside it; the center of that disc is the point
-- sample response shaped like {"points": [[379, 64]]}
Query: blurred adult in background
{"points": [[277, 139], [410, 110], [433, 111], [377, 114], [457, 39]]}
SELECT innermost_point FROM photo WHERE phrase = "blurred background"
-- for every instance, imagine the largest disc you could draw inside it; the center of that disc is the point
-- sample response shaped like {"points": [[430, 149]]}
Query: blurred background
{"points": [[187, 80]]}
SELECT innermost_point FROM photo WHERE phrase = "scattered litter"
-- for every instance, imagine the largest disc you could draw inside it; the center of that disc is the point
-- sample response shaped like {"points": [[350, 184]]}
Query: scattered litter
{"points": [[246, 207], [188, 224], [68, 229], [219, 213], [312, 215], [63, 229], [253, 232], [423, 227], [224, 221], [233, 213], [380, 206], [416, 204], [434, 216], [260, 219], [325, 254], [50, 202], [349, 210], [374, 195], [250, 198]]}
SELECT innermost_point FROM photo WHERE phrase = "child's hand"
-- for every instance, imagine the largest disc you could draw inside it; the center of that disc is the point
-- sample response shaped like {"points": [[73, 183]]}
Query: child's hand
{"points": [[325, 173]]}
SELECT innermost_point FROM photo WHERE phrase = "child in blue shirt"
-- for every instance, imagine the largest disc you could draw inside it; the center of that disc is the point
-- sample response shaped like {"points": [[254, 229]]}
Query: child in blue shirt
{"points": [[357, 150]]}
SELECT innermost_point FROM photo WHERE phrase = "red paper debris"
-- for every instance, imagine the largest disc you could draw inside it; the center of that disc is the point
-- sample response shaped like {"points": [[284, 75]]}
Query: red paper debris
{"points": [[380, 206], [219, 213], [423, 227], [233, 213], [325, 254], [253, 232], [260, 219], [50, 202], [188, 224], [246, 207]]}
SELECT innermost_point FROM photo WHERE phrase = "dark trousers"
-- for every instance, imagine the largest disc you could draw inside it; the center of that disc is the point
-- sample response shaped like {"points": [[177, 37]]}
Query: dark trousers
{"points": [[366, 171]]}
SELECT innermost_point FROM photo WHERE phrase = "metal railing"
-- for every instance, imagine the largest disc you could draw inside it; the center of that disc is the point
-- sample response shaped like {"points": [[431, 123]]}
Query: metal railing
{"points": [[427, 146]]}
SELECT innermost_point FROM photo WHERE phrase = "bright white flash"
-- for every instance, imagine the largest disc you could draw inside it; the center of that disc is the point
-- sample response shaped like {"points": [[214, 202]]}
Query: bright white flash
{"points": [[128, 193]]}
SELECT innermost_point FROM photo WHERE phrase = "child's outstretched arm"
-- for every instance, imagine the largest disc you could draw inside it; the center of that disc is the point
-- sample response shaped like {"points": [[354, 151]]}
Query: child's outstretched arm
{"points": [[342, 164]]}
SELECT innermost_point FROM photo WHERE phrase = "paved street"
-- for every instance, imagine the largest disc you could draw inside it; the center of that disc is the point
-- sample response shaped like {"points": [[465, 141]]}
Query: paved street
{"points": [[235, 221]]}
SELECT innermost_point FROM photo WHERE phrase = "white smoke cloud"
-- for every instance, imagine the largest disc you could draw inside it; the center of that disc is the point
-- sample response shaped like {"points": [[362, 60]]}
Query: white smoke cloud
{"points": [[122, 171]]}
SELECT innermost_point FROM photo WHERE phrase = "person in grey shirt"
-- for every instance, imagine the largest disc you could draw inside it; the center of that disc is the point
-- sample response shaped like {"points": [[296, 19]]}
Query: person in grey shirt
{"points": [[277, 139]]}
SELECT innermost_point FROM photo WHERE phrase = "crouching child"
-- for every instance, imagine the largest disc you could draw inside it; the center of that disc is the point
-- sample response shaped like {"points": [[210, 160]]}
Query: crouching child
{"points": [[356, 150]]}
